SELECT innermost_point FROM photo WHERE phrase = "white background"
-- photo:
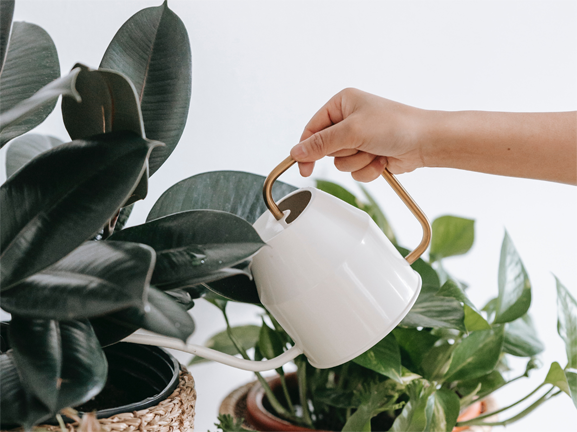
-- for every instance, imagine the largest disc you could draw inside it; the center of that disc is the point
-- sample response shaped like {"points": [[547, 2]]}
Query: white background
{"points": [[262, 68]]}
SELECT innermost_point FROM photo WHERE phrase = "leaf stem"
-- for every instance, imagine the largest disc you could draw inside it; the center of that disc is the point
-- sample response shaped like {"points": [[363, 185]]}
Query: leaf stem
{"points": [[302, 382], [482, 395], [286, 392]]}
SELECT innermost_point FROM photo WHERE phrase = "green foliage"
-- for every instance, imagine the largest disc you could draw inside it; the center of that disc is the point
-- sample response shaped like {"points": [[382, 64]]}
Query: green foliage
{"points": [[23, 149], [473, 319], [247, 336], [451, 236], [228, 424], [521, 338], [567, 322], [384, 358]]}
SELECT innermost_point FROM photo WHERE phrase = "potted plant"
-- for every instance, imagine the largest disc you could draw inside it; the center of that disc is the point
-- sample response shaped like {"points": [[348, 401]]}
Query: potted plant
{"points": [[435, 371], [72, 279]]}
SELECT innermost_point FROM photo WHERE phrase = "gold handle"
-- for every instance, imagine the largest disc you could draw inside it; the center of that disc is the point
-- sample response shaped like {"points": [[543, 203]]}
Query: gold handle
{"points": [[390, 178]]}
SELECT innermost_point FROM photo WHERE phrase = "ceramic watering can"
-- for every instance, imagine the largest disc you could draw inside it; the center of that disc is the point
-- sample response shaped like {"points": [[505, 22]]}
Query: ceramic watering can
{"points": [[329, 276]]}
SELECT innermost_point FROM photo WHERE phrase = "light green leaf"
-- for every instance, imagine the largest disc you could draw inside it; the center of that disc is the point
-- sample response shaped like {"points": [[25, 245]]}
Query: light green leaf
{"points": [[567, 322], [451, 236], [521, 338], [247, 336], [442, 411], [514, 286], [556, 376], [571, 375], [375, 212], [384, 358], [270, 343], [31, 63], [414, 416], [473, 319], [25, 148], [436, 362], [476, 355], [339, 192]]}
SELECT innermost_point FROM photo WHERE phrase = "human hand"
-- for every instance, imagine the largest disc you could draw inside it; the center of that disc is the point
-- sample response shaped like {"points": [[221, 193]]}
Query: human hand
{"points": [[365, 134]]}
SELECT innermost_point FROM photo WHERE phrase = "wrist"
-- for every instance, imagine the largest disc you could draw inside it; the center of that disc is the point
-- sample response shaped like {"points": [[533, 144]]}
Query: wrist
{"points": [[432, 134]]}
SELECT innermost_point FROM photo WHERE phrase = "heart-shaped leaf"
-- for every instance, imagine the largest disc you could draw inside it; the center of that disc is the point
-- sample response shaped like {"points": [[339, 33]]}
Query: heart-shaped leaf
{"points": [[235, 192], [476, 355], [6, 14], [270, 343], [163, 315], [414, 344], [442, 410], [18, 408], [567, 322], [192, 245], [95, 279], [37, 351], [556, 376], [63, 197], [514, 286], [152, 49], [31, 62], [247, 336], [384, 358], [451, 236], [473, 318], [25, 148], [521, 338]]}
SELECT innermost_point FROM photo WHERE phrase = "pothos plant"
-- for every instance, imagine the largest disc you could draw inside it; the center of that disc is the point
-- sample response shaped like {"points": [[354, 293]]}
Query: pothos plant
{"points": [[72, 279], [445, 354]]}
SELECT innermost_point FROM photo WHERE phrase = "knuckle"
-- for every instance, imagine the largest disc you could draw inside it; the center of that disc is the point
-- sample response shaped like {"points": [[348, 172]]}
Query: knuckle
{"points": [[317, 144]]}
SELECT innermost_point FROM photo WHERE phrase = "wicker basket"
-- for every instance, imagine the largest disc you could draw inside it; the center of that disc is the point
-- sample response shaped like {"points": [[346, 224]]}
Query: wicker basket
{"points": [[174, 414]]}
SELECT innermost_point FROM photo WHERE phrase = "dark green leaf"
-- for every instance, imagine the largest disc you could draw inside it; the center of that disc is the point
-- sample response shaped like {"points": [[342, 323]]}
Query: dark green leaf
{"points": [[152, 49], [6, 13], [476, 355], [235, 192], [182, 297], [451, 236], [514, 285], [521, 338], [31, 63], [269, 342], [432, 311], [339, 192], [415, 343], [237, 288], [63, 197], [567, 322], [95, 279], [414, 417], [123, 217], [17, 406], [335, 398], [163, 315], [436, 362], [197, 286], [384, 358], [247, 336], [481, 386], [442, 411], [473, 319], [25, 148], [378, 216], [192, 245], [38, 355]]}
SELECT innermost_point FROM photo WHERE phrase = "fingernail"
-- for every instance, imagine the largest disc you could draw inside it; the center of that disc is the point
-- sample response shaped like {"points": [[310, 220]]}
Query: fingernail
{"points": [[299, 151]]}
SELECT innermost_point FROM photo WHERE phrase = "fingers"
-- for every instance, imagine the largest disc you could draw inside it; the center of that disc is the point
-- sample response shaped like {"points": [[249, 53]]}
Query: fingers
{"points": [[306, 168], [355, 162], [328, 141], [371, 171], [330, 114]]}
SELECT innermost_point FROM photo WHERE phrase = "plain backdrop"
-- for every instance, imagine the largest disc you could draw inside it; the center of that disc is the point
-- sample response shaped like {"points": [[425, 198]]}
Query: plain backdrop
{"points": [[262, 68]]}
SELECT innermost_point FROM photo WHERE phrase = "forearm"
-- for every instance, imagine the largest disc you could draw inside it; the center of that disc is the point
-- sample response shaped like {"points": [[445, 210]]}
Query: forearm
{"points": [[530, 145]]}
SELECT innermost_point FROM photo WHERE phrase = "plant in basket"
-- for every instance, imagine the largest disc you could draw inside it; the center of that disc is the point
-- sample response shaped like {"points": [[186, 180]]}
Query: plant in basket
{"points": [[434, 372]]}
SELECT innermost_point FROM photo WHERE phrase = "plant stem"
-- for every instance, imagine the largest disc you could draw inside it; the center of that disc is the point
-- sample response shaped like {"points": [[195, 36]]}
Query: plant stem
{"points": [[342, 376], [482, 395], [280, 410], [286, 392], [302, 381], [479, 420]]}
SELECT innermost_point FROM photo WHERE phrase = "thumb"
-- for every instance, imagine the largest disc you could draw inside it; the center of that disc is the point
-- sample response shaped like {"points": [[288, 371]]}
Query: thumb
{"points": [[321, 144]]}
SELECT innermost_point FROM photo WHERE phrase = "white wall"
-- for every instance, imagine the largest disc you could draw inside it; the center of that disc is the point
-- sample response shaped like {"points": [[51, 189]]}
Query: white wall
{"points": [[262, 68]]}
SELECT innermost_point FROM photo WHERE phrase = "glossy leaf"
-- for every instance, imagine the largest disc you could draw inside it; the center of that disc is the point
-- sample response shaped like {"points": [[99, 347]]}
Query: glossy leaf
{"points": [[247, 336], [63, 197], [25, 148], [6, 14], [415, 344], [373, 209], [451, 236], [31, 63], [567, 322], [192, 245], [442, 410], [414, 416], [571, 375], [235, 192], [18, 408], [37, 352], [437, 361], [270, 343], [481, 386], [432, 311], [556, 376], [152, 49], [197, 286], [521, 338], [476, 355], [123, 217], [237, 288], [383, 358], [473, 319], [95, 279], [514, 286], [163, 315]]}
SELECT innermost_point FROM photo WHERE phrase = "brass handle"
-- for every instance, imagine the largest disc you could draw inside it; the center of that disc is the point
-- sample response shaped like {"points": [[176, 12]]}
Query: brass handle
{"points": [[390, 178]]}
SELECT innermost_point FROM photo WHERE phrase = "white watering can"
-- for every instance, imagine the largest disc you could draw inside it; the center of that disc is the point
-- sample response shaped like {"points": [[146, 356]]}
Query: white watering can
{"points": [[330, 277]]}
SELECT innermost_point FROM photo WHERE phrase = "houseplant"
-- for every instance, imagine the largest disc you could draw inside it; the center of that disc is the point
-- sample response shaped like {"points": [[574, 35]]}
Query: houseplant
{"points": [[443, 357], [72, 281]]}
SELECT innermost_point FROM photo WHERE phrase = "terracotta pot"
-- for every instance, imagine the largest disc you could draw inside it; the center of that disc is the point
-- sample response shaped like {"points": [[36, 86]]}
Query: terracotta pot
{"points": [[247, 402]]}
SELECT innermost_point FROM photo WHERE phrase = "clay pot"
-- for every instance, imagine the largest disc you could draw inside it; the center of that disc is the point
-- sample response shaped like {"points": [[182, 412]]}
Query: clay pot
{"points": [[247, 402]]}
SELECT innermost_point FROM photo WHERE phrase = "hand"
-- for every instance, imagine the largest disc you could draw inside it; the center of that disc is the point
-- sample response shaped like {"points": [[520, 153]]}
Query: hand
{"points": [[365, 134]]}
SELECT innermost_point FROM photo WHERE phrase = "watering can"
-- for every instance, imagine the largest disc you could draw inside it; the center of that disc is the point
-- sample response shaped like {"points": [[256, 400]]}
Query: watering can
{"points": [[329, 276]]}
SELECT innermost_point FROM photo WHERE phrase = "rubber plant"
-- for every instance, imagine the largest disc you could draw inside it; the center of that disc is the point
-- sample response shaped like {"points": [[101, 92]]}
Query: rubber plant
{"points": [[72, 279], [445, 355]]}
